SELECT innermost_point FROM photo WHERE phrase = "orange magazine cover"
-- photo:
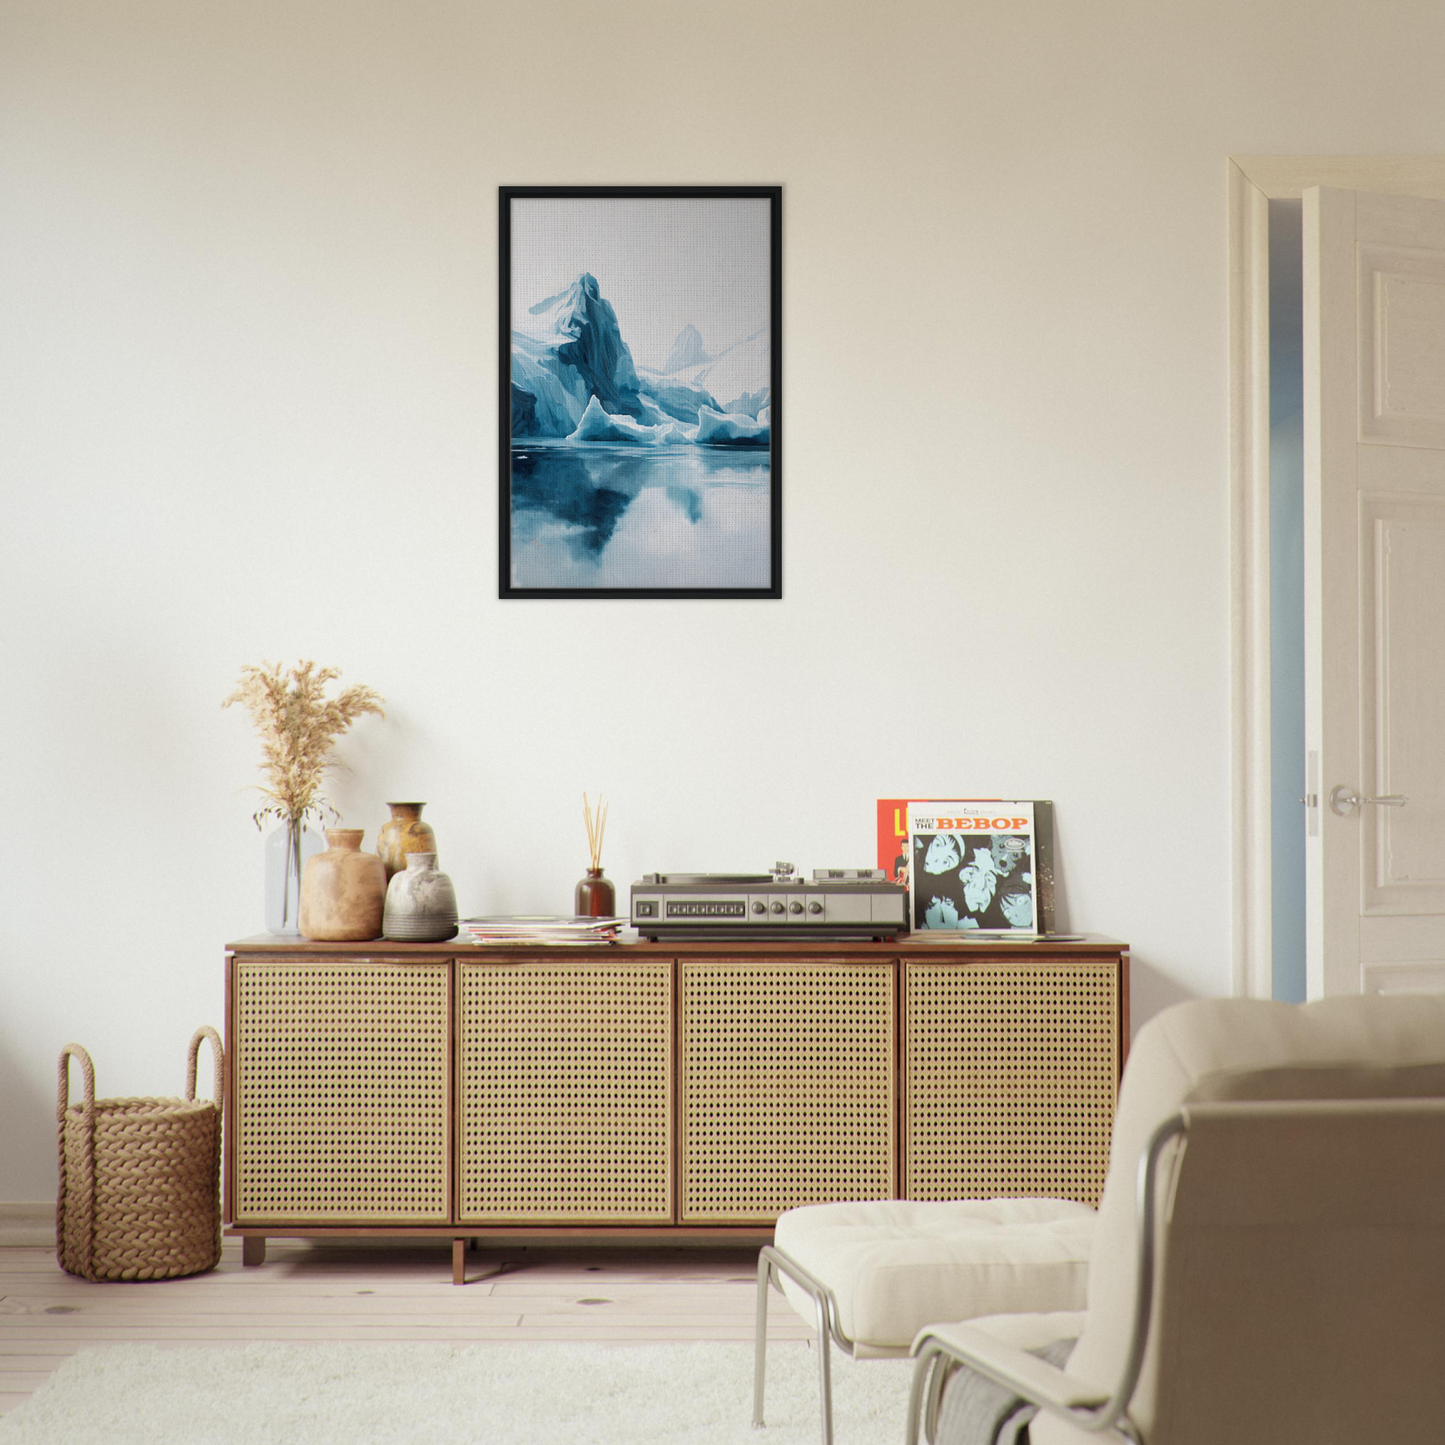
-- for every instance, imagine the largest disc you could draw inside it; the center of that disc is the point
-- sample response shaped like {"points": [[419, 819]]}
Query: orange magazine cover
{"points": [[893, 832]]}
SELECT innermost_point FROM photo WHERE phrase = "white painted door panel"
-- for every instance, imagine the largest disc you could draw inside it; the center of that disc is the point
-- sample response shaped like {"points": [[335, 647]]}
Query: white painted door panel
{"points": [[1375, 589], [1402, 565], [1402, 346]]}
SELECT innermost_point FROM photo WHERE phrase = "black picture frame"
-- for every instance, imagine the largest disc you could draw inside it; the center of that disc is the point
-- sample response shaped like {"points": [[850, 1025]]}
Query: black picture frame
{"points": [[736, 442]]}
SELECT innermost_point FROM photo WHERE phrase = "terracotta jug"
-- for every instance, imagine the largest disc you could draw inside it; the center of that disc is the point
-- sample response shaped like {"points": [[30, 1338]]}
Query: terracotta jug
{"points": [[404, 833], [343, 890]]}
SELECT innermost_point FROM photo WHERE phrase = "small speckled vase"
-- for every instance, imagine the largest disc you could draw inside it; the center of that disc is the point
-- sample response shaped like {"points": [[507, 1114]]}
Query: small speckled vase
{"points": [[421, 904], [403, 833], [343, 890]]}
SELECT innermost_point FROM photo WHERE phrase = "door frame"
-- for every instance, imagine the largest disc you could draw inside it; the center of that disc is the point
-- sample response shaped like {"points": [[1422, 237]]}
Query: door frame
{"points": [[1254, 181]]}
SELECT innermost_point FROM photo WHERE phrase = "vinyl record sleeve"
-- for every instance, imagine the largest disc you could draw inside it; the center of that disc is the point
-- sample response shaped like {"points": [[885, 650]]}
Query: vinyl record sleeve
{"points": [[895, 858]]}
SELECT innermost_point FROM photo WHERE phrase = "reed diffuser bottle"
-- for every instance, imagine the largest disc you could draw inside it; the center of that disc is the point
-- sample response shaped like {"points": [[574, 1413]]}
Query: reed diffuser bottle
{"points": [[595, 896]]}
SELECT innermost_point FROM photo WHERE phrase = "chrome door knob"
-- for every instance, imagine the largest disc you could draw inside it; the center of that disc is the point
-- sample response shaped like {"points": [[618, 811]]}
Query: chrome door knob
{"points": [[1344, 800]]}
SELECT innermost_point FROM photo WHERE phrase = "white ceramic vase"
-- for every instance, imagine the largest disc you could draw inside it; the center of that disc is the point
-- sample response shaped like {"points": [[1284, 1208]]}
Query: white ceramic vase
{"points": [[421, 904]]}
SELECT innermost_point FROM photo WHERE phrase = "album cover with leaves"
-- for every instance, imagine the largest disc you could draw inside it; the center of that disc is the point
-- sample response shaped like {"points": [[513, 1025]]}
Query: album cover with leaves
{"points": [[978, 864]]}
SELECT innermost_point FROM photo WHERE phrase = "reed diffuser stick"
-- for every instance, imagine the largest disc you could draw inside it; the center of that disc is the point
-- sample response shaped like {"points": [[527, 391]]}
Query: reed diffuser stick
{"points": [[596, 827], [595, 897]]}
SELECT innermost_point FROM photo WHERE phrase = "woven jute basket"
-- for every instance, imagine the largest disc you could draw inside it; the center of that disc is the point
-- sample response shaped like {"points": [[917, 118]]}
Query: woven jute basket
{"points": [[139, 1178]]}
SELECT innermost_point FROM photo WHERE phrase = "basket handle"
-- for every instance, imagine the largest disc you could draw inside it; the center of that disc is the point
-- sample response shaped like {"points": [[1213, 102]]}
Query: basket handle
{"points": [[87, 1070], [218, 1055], [84, 1186]]}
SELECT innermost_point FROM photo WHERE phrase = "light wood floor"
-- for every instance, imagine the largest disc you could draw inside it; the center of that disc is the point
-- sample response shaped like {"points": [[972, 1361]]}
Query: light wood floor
{"points": [[381, 1292]]}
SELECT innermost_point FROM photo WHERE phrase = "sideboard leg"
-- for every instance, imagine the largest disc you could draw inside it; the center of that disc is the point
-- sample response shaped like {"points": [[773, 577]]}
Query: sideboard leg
{"points": [[253, 1249], [459, 1261]]}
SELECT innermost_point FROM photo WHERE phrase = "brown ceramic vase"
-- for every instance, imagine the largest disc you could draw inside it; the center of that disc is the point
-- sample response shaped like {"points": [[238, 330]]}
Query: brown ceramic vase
{"points": [[343, 890], [594, 896], [403, 833]]}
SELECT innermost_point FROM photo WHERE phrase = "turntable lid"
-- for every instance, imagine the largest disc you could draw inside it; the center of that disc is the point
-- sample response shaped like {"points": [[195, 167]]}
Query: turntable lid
{"points": [[703, 879]]}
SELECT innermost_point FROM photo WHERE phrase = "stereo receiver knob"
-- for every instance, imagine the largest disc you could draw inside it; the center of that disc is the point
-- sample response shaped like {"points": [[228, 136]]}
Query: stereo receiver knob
{"points": [[759, 906], [815, 907], [777, 908], [795, 908]]}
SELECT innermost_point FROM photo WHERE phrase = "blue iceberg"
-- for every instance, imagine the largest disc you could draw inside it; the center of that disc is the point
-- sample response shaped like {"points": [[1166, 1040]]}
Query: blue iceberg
{"points": [[565, 351], [574, 379], [686, 351], [597, 425], [732, 429], [677, 397], [738, 376]]}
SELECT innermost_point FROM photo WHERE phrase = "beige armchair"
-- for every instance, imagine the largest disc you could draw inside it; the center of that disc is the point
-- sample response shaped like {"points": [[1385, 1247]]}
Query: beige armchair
{"points": [[1269, 1258]]}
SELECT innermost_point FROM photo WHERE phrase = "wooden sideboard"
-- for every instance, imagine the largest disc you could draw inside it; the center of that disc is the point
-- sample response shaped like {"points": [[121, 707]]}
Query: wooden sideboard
{"points": [[657, 1091]]}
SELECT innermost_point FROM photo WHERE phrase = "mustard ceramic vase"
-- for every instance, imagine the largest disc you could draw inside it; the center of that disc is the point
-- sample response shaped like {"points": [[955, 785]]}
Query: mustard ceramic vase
{"points": [[403, 833]]}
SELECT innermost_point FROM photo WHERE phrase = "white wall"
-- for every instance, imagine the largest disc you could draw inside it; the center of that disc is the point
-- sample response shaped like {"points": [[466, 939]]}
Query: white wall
{"points": [[247, 281]]}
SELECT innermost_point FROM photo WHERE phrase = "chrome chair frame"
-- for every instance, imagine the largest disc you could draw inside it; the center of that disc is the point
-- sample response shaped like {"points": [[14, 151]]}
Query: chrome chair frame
{"points": [[937, 1358], [771, 1264]]}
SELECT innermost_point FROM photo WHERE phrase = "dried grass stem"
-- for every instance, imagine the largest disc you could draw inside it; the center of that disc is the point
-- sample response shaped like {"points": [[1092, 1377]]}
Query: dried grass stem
{"points": [[298, 726]]}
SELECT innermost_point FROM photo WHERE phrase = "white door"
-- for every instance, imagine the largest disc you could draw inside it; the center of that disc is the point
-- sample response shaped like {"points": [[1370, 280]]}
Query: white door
{"points": [[1374, 424]]}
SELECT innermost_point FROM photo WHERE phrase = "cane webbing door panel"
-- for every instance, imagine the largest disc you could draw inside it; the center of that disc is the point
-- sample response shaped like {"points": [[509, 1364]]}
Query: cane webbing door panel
{"points": [[342, 1091], [1010, 1076], [787, 1078], [639, 1089], [565, 1073]]}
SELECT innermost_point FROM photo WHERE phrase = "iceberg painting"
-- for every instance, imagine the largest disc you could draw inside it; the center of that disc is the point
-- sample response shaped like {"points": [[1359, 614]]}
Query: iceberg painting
{"points": [[639, 391]]}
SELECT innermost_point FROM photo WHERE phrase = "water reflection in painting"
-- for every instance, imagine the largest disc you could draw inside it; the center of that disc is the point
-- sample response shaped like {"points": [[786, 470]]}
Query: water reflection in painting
{"points": [[613, 516]]}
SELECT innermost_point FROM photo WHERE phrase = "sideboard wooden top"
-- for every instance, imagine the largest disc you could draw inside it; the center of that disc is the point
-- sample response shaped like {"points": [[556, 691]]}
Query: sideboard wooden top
{"points": [[905, 945]]}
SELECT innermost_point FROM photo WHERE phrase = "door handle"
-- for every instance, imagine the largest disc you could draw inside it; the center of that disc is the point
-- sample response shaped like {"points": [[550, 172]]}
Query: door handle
{"points": [[1344, 800]]}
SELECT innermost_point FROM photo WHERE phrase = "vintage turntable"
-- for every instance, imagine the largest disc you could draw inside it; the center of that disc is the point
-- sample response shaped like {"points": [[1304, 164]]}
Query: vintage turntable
{"points": [[834, 903]]}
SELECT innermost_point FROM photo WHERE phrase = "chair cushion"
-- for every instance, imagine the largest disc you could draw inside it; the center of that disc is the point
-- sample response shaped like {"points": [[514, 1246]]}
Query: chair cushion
{"points": [[896, 1265]]}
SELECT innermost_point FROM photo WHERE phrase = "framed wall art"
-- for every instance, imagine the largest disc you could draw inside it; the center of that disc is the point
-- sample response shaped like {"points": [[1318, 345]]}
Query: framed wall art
{"points": [[640, 366]]}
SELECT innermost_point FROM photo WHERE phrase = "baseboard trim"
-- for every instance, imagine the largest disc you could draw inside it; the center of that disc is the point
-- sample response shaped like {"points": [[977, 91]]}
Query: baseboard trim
{"points": [[28, 1223]]}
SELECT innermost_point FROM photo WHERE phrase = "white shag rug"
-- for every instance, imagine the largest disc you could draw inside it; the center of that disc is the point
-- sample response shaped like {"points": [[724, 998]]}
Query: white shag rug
{"points": [[478, 1394]]}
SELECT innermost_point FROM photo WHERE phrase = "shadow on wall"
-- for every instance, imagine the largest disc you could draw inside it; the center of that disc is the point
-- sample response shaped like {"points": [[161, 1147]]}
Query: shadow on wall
{"points": [[27, 1129], [1061, 892], [1150, 991]]}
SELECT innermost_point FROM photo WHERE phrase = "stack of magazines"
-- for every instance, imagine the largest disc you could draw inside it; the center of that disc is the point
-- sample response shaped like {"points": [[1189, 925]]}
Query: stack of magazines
{"points": [[525, 928]]}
